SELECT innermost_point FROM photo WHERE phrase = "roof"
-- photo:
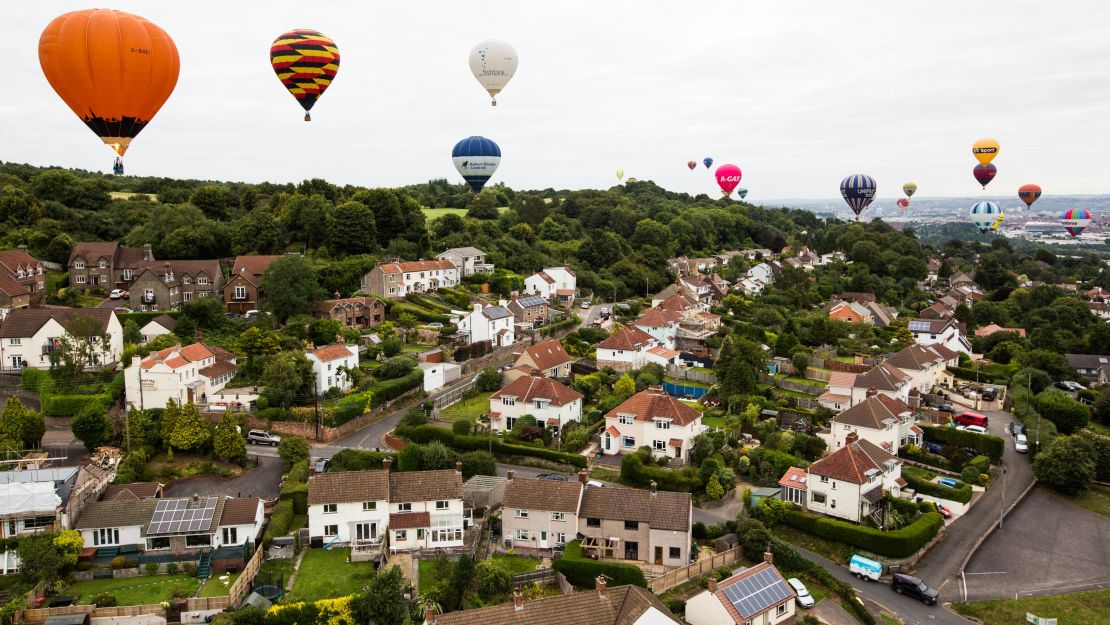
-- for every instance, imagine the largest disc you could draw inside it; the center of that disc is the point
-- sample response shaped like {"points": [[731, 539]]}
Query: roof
{"points": [[240, 511], [22, 497], [842, 378], [13, 260], [528, 388], [424, 485], [353, 302], [465, 251], [251, 266], [929, 326], [416, 265], [409, 520], [656, 317], [677, 303], [530, 301], [346, 486], [165, 321], [794, 478], [670, 291], [178, 356], [862, 298], [496, 312], [221, 367], [662, 510], [622, 605], [533, 494], [915, 357], [329, 353], [182, 267], [652, 403], [544, 276], [548, 354], [1075, 361], [753, 591], [119, 513], [882, 377], [851, 462], [25, 322], [627, 338], [663, 352], [92, 250], [131, 492], [870, 413], [11, 287]]}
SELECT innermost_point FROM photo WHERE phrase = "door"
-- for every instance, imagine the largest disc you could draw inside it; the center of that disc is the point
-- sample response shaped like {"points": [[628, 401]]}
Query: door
{"points": [[608, 441], [659, 555], [543, 540], [631, 550], [677, 452], [17, 362], [366, 531]]}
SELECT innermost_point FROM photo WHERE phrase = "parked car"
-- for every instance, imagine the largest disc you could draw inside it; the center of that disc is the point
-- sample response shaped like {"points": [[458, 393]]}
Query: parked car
{"points": [[435, 324], [1016, 428], [555, 477], [251, 314], [1021, 444], [944, 512], [989, 394], [262, 437], [231, 315], [970, 418], [946, 408], [804, 598], [604, 311], [865, 568], [584, 305], [934, 448], [116, 294], [322, 465], [1070, 386], [911, 586], [977, 429]]}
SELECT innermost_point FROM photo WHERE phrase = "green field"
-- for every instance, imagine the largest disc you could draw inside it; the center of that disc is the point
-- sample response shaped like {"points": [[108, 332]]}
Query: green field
{"points": [[143, 590], [325, 574], [1088, 608], [436, 213], [472, 408]]}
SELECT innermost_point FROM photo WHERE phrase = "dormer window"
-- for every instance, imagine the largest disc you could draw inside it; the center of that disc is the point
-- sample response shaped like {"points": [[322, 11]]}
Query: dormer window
{"points": [[103, 264], [79, 264]]}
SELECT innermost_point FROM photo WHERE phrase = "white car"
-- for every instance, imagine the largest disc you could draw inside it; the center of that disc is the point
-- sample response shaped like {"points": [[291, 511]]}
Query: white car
{"points": [[1021, 444], [585, 305], [978, 429], [116, 293], [804, 598]]}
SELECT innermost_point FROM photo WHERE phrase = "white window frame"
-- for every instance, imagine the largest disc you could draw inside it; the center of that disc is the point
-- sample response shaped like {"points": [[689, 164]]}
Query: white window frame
{"points": [[78, 264], [443, 504], [334, 530], [659, 445], [404, 507], [401, 535], [521, 513], [240, 292], [369, 506], [628, 442], [79, 279], [128, 275], [331, 508], [522, 534], [508, 401], [662, 424], [779, 611], [558, 516], [625, 419]]}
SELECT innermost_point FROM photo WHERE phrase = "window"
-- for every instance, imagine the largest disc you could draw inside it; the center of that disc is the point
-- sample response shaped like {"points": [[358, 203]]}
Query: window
{"points": [[625, 419], [593, 522], [508, 401], [558, 516], [824, 479], [521, 514], [674, 553], [834, 485], [198, 540], [186, 280], [38, 522], [105, 536], [522, 534], [154, 544], [442, 505], [662, 425], [847, 428], [404, 507], [202, 280], [127, 275], [832, 504], [819, 498], [628, 441], [631, 525], [402, 535], [779, 611], [560, 538], [230, 535], [240, 292], [80, 279], [14, 341], [442, 536], [103, 264], [420, 534], [369, 505], [80, 264], [659, 445], [330, 508], [331, 530], [186, 296]]}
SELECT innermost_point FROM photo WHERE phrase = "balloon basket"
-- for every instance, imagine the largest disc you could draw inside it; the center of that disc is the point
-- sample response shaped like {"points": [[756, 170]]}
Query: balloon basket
{"points": [[493, 102], [307, 117]]}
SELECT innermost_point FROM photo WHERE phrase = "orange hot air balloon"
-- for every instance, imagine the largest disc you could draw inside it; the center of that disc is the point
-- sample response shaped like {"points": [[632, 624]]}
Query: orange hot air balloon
{"points": [[114, 69]]}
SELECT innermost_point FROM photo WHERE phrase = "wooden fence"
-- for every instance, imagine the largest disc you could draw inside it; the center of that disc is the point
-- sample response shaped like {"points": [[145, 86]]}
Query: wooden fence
{"points": [[196, 604], [39, 615], [704, 566], [705, 376], [243, 584]]}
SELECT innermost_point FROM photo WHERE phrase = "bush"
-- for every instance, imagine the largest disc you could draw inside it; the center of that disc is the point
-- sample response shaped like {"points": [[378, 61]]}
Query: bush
{"points": [[36, 380], [359, 460], [172, 568], [273, 414], [698, 531], [280, 521], [1068, 414], [493, 578], [425, 434], [118, 562], [899, 543], [584, 573], [293, 449], [104, 600], [462, 427], [489, 380], [387, 390], [397, 367], [988, 445], [70, 405], [635, 472], [397, 308], [151, 568], [350, 407], [190, 569], [961, 493], [917, 454], [970, 475]]}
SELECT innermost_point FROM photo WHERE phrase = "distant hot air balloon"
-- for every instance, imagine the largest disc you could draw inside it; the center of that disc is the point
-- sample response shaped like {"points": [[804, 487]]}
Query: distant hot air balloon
{"points": [[858, 191], [903, 205], [306, 62], [476, 158], [984, 174], [632, 180], [984, 215], [113, 69], [707, 161], [743, 193], [909, 188], [493, 62], [692, 165], [1029, 193], [1075, 220], [985, 150], [620, 174], [728, 176]]}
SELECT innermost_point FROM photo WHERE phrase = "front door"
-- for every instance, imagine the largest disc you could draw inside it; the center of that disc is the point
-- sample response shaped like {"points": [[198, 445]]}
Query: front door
{"points": [[659, 555], [608, 441], [677, 452], [17, 362], [631, 550], [543, 540]]}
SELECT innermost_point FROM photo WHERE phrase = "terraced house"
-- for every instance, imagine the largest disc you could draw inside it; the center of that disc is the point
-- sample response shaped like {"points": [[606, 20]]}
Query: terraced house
{"points": [[633, 524], [398, 279]]}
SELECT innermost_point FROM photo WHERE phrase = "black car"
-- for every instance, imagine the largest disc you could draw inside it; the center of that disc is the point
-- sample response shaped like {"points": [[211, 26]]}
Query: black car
{"points": [[911, 586], [1016, 428], [946, 408]]}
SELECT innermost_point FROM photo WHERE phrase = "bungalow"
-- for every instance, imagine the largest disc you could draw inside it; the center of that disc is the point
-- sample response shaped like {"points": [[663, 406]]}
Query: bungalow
{"points": [[850, 482], [758, 595], [539, 514], [626, 349], [651, 418], [331, 366], [549, 401], [553, 284], [633, 524], [468, 260], [30, 335], [398, 279], [187, 375], [156, 327], [851, 312], [885, 422], [488, 323], [946, 332]]}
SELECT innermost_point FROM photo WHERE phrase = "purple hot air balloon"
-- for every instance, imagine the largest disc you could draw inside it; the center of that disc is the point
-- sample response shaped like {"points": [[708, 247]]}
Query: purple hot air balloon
{"points": [[985, 174]]}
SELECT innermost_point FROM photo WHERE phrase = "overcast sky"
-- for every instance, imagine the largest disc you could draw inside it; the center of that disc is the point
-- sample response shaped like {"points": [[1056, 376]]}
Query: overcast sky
{"points": [[797, 93]]}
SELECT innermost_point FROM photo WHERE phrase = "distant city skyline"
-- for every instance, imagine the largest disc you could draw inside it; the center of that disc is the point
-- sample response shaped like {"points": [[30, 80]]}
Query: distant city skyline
{"points": [[798, 95]]}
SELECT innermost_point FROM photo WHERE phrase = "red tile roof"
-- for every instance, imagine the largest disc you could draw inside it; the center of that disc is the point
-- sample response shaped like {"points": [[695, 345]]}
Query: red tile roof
{"points": [[11, 287], [409, 520], [655, 403], [548, 355], [251, 267], [794, 478], [196, 352], [329, 353], [851, 462], [655, 317], [530, 388], [628, 338]]}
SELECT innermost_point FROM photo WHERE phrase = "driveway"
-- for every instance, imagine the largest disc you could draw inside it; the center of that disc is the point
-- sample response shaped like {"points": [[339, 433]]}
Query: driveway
{"points": [[1048, 545], [263, 481]]}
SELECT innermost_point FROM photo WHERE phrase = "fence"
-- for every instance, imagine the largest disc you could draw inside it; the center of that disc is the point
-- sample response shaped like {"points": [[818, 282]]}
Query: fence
{"points": [[239, 588], [675, 577], [39, 615], [684, 391], [454, 395], [814, 373], [790, 385], [836, 365], [697, 374], [542, 576], [198, 604]]}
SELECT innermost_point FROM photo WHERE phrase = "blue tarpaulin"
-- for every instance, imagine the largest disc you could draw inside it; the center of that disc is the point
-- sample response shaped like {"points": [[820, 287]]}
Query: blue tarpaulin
{"points": [[684, 391]]}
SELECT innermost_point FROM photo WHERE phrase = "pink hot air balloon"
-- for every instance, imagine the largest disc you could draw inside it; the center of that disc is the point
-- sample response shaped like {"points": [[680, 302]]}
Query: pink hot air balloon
{"points": [[903, 204], [984, 174], [728, 176], [692, 165]]}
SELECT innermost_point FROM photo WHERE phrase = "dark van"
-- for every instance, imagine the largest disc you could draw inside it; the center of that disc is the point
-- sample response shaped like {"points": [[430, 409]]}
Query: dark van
{"points": [[970, 418]]}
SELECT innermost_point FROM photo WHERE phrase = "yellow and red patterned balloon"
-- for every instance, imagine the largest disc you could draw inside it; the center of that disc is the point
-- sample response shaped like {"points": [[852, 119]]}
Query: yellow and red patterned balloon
{"points": [[306, 62]]}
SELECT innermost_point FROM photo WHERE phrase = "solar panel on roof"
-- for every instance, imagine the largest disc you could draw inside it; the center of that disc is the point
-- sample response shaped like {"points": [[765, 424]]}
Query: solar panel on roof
{"points": [[918, 326], [756, 593], [175, 516]]}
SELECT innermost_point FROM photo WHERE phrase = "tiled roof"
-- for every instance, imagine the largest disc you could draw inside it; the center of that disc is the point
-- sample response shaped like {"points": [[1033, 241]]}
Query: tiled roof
{"points": [[842, 378], [851, 462], [329, 353], [893, 405], [627, 338], [548, 354], [416, 265], [546, 278], [532, 494], [435, 485], [220, 368], [465, 251], [662, 510], [655, 317], [530, 388], [251, 266], [862, 298], [651, 403], [869, 413], [178, 356], [119, 513], [239, 511], [24, 322], [409, 520], [663, 352], [91, 251], [133, 491], [882, 377], [794, 478], [11, 287], [353, 302], [346, 486], [622, 605], [1075, 361], [131, 257], [12, 260], [196, 352], [914, 357], [165, 321], [677, 303]]}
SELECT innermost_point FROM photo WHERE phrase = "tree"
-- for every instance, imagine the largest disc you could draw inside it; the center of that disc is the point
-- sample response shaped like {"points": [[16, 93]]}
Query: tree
{"points": [[351, 229], [391, 346], [478, 463], [228, 442], [11, 424], [462, 427], [190, 432], [39, 559], [713, 489], [489, 380], [169, 421], [81, 346], [91, 425], [1034, 379], [293, 449], [738, 366], [1068, 465], [255, 343], [493, 578], [385, 601], [437, 456], [69, 543], [1059, 408], [625, 386], [291, 287], [396, 367], [800, 360], [288, 376], [131, 333], [1102, 406], [214, 199]]}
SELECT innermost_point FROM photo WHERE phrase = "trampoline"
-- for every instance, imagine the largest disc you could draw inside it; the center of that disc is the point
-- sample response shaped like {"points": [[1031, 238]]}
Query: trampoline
{"points": [[271, 592]]}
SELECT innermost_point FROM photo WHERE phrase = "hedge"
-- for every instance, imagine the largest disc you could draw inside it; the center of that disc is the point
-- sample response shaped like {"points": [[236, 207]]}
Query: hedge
{"points": [[385, 390], [984, 375], [925, 457], [788, 559], [350, 407], [552, 328], [583, 572], [898, 543], [982, 463], [280, 520], [961, 493], [397, 308], [359, 460], [35, 379], [635, 473], [427, 302], [142, 318], [424, 434], [69, 405], [295, 487], [985, 444]]}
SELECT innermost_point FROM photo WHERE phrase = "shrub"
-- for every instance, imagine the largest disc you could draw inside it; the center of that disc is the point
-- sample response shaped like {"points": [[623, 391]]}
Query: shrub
{"points": [[493, 578], [350, 407], [991, 446], [359, 460], [635, 472], [425, 434], [584, 573], [397, 308], [280, 521], [387, 390], [1068, 414], [489, 380], [118, 562], [151, 568], [970, 475], [462, 427], [70, 405], [397, 367], [36, 380], [698, 531], [273, 414], [172, 568], [293, 449], [898, 543], [917, 454], [104, 600], [189, 568]]}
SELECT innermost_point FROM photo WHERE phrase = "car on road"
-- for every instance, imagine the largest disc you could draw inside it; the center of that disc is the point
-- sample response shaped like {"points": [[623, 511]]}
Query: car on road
{"points": [[977, 429], [116, 294], [604, 311], [911, 586], [262, 437], [1021, 444], [1016, 428], [251, 314], [804, 598], [585, 306], [970, 418], [1070, 386], [555, 477], [946, 408]]}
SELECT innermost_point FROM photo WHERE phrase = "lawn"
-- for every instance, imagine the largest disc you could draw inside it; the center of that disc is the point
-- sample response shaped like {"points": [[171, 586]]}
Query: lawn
{"points": [[415, 348], [1089, 608], [515, 564], [325, 573], [429, 575], [218, 584], [808, 381], [472, 408], [605, 474], [141, 590], [713, 422], [436, 213], [835, 551], [1096, 500], [1099, 428], [188, 465]]}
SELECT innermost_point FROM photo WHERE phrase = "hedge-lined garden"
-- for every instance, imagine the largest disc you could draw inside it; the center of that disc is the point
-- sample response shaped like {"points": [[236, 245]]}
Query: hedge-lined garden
{"points": [[961, 493], [898, 543], [583, 572], [56, 404], [427, 433]]}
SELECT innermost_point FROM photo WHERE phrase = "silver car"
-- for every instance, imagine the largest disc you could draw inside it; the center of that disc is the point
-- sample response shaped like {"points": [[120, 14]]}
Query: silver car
{"points": [[804, 598], [1021, 444]]}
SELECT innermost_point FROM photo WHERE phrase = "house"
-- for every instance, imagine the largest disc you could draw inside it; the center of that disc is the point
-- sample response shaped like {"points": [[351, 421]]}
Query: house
{"points": [[548, 358], [757, 595], [661, 324], [553, 284], [439, 374], [832, 257], [398, 279], [994, 328], [793, 486], [762, 272], [704, 289], [243, 289], [331, 366], [927, 366], [862, 299], [350, 508], [548, 400], [32, 502], [468, 260], [961, 278], [187, 375], [652, 418], [947, 332], [670, 291], [885, 422], [22, 280], [426, 509], [1090, 366], [156, 327], [539, 514], [488, 323], [106, 265], [850, 482], [622, 605], [634, 524], [932, 269], [750, 286], [626, 349], [132, 491], [851, 312], [530, 311], [848, 389], [30, 335], [351, 312], [167, 285]]}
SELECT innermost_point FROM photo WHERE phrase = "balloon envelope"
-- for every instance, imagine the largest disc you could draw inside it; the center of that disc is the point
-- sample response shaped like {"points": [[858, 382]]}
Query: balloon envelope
{"points": [[692, 164], [985, 150], [903, 204], [493, 63], [728, 176], [476, 158], [1029, 193], [743, 193], [1075, 220], [984, 214], [707, 161], [858, 191], [909, 189], [620, 174], [984, 174], [113, 69], [306, 62]]}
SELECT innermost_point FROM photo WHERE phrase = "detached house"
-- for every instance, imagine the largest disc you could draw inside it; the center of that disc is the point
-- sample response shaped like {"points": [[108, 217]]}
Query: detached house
{"points": [[331, 365], [757, 595], [352, 312], [489, 323], [1090, 366], [652, 418], [927, 366], [634, 524], [166, 285], [850, 482], [547, 359], [661, 323], [156, 327], [468, 260], [398, 279], [106, 265], [947, 332], [539, 514], [30, 335], [22, 280], [530, 311], [848, 389], [187, 375], [243, 289], [549, 401], [553, 284], [884, 422], [626, 349]]}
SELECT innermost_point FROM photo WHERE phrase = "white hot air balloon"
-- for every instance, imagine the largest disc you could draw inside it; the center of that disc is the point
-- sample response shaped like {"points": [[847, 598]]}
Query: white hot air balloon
{"points": [[493, 62]]}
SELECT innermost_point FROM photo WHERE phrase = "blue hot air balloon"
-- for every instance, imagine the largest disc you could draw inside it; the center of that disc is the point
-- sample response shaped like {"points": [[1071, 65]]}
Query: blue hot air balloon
{"points": [[707, 161], [858, 191], [984, 215], [476, 158]]}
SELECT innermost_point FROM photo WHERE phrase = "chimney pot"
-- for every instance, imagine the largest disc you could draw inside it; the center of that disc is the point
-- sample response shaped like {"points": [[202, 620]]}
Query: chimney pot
{"points": [[583, 476], [387, 463], [654, 487], [429, 617], [851, 438], [871, 392], [767, 555], [600, 584], [458, 467], [509, 475], [518, 599]]}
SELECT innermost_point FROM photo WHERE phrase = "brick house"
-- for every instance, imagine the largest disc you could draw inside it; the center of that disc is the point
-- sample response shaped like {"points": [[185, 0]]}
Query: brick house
{"points": [[22, 280], [243, 289], [106, 264], [530, 309], [166, 285], [352, 312], [398, 279], [539, 514]]}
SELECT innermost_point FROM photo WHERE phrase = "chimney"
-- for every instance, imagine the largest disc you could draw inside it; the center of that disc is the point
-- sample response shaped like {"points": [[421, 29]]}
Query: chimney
{"points": [[458, 467], [336, 294], [712, 587], [478, 307], [196, 498], [387, 463], [339, 340], [146, 252], [600, 585], [768, 557], [851, 438], [518, 599], [583, 476], [509, 475], [654, 487], [429, 617], [871, 392]]}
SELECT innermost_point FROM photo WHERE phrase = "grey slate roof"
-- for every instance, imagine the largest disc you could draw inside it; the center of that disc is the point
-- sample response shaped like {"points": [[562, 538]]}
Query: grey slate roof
{"points": [[497, 312]]}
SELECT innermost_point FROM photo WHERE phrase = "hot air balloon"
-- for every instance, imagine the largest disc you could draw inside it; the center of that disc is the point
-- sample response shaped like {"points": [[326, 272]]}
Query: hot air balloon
{"points": [[476, 158], [858, 191], [620, 174], [306, 62], [1029, 193], [984, 215], [909, 188], [1075, 220], [493, 62], [984, 174], [743, 193], [728, 176], [692, 165], [903, 205], [707, 161], [985, 150], [113, 69]]}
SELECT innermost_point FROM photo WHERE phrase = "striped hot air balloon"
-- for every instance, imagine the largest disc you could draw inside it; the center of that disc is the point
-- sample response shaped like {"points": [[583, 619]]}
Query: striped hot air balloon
{"points": [[985, 215], [476, 158], [306, 62], [1075, 220], [858, 191]]}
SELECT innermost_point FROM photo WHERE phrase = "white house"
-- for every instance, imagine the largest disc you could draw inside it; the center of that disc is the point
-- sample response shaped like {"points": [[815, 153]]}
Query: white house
{"points": [[156, 327], [885, 422], [426, 509], [626, 349], [468, 260], [158, 525], [751, 286], [848, 389], [539, 514], [793, 486], [851, 481], [349, 507], [652, 418], [330, 366], [946, 332], [661, 323], [489, 323], [27, 508], [553, 283], [757, 595], [548, 400], [926, 365], [761, 272], [30, 335], [398, 279], [187, 375]]}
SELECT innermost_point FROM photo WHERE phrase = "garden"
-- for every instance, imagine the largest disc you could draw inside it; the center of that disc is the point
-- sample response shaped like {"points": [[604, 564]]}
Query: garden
{"points": [[142, 590], [326, 573]]}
